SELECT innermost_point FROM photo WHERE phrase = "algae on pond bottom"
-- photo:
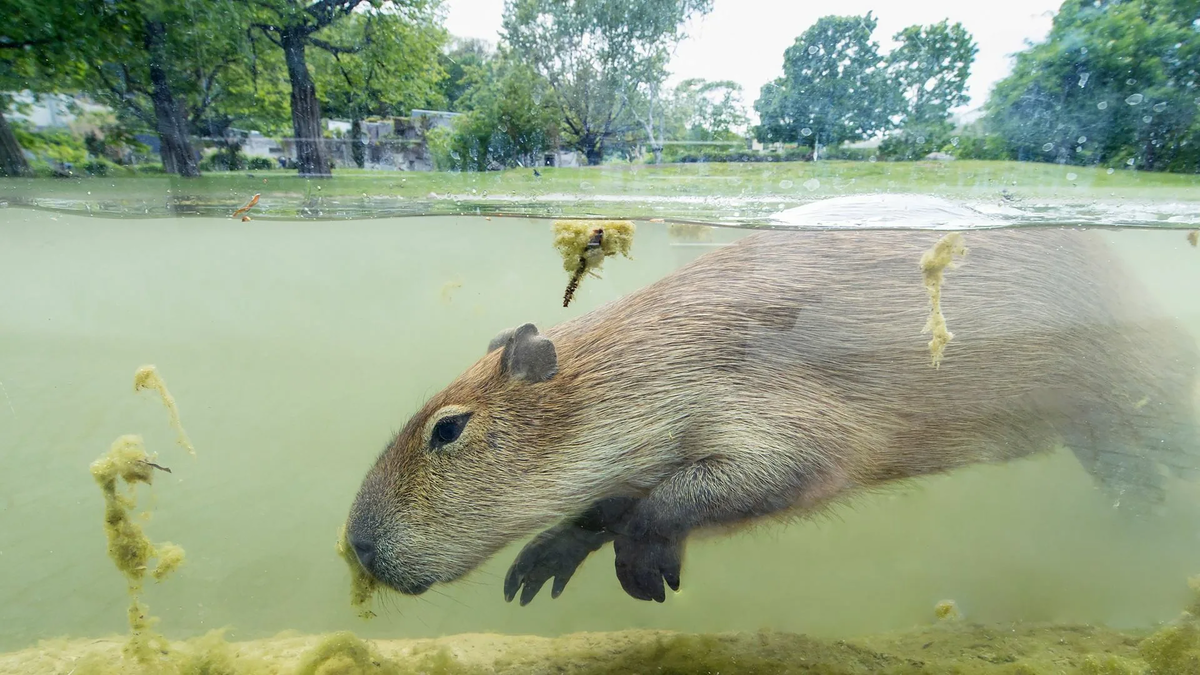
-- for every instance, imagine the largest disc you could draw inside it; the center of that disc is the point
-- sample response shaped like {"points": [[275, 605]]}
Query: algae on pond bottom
{"points": [[934, 263]]}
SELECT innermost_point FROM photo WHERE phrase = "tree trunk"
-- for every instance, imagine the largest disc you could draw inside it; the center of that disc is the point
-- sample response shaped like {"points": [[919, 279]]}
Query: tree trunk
{"points": [[174, 146], [12, 158], [358, 150], [593, 150], [306, 111]]}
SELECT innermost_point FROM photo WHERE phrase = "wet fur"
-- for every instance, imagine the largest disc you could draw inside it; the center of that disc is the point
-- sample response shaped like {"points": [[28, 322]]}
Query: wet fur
{"points": [[781, 374]]}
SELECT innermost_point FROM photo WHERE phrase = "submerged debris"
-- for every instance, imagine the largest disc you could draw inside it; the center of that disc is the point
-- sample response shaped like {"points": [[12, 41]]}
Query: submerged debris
{"points": [[933, 263], [584, 244], [1193, 237], [363, 586], [147, 377]]}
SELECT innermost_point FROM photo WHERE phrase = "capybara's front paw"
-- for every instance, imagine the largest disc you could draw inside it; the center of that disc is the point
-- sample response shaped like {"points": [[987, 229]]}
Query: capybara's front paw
{"points": [[557, 553], [643, 564]]}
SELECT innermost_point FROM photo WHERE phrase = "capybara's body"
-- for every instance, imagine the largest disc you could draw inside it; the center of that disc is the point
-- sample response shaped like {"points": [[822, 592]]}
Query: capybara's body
{"points": [[775, 376]]}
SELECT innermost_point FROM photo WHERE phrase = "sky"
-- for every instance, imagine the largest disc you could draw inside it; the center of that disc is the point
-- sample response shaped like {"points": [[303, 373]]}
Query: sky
{"points": [[744, 40]]}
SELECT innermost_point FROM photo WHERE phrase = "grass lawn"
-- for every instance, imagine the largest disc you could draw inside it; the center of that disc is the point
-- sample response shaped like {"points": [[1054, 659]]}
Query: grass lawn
{"points": [[729, 192]]}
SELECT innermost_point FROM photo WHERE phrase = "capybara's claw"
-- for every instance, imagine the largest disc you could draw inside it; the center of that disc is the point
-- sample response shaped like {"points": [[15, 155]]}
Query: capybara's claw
{"points": [[644, 564], [556, 553]]}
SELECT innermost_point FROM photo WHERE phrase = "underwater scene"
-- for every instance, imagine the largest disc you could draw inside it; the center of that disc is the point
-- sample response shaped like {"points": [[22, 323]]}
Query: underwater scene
{"points": [[960, 438], [599, 337]]}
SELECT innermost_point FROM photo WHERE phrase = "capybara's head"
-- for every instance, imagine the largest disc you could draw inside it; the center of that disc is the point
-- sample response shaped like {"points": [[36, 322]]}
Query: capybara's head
{"points": [[468, 474]]}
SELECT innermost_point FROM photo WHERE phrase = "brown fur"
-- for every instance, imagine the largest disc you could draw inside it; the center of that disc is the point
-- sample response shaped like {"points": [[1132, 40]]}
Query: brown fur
{"points": [[782, 373]]}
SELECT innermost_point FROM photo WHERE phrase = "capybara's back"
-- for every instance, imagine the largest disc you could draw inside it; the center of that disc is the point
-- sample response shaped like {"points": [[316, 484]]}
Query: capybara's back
{"points": [[1053, 343]]}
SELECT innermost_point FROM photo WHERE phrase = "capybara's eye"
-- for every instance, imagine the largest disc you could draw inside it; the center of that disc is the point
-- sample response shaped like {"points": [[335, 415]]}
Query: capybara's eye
{"points": [[447, 430]]}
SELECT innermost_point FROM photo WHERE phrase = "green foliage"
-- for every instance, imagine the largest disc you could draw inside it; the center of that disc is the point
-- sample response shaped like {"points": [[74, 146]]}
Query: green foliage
{"points": [[702, 154], [834, 87], [930, 69], [596, 56], [700, 110], [260, 164], [459, 59], [391, 67], [1115, 83], [514, 117], [50, 146]]}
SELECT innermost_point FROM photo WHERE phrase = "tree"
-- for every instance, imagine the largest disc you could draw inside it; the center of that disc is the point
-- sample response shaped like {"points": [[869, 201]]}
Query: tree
{"points": [[596, 55], [513, 118], [929, 70], [458, 60], [35, 48], [701, 110], [394, 68], [834, 87], [1115, 82], [293, 26]]}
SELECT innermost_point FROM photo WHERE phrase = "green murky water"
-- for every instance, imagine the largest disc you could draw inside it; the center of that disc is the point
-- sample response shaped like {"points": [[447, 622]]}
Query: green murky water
{"points": [[295, 348]]}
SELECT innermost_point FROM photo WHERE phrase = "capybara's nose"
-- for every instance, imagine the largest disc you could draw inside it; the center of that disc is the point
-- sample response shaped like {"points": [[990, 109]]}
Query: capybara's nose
{"points": [[365, 550]]}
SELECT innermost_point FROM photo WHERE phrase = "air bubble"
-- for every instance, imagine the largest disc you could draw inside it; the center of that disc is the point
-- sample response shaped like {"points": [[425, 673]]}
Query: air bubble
{"points": [[812, 184], [1072, 176], [786, 184], [1159, 107], [1082, 140], [1134, 99], [806, 132], [813, 50], [1047, 147], [1102, 105]]}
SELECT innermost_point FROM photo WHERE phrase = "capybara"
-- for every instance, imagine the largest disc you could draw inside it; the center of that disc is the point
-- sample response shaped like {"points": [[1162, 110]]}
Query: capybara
{"points": [[773, 377]]}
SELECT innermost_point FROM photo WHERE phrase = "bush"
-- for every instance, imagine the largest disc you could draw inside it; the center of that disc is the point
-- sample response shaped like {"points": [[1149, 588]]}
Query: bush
{"points": [[261, 164], [711, 154], [150, 168], [98, 167]]}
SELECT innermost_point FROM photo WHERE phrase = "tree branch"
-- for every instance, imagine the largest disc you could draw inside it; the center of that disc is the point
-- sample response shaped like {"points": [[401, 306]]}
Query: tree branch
{"points": [[333, 49], [326, 12]]}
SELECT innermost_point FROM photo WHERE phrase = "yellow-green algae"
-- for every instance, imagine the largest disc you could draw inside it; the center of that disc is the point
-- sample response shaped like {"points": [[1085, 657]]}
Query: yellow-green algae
{"points": [[584, 244], [690, 232], [147, 377], [934, 263], [363, 586], [128, 546]]}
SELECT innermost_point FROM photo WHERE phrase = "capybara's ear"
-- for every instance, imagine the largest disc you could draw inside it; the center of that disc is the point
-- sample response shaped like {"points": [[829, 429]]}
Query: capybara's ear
{"points": [[527, 355], [500, 340]]}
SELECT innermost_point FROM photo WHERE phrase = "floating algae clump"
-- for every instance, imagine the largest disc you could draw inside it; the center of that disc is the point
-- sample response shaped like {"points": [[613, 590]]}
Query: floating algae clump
{"points": [[934, 263], [362, 585], [689, 232], [147, 377], [947, 610], [584, 244]]}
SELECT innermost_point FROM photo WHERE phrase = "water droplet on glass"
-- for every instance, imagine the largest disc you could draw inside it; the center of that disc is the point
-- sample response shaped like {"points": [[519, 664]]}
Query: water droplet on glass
{"points": [[1102, 105], [1159, 107], [1072, 176], [1131, 82], [920, 140], [1129, 161], [812, 184], [813, 50], [1110, 171], [1147, 119], [954, 141], [785, 184], [1082, 140], [1083, 50], [1079, 148], [806, 132], [1134, 99], [1083, 78], [872, 159], [1047, 147], [584, 185]]}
